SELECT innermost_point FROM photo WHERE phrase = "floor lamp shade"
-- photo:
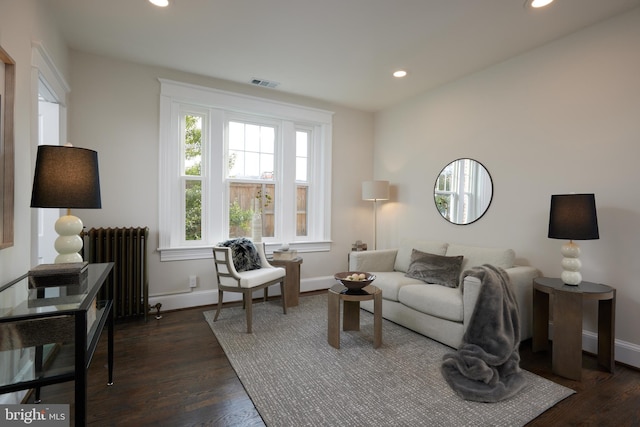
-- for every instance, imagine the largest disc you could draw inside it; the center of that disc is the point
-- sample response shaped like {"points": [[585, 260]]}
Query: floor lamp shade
{"points": [[573, 217], [375, 190], [66, 177]]}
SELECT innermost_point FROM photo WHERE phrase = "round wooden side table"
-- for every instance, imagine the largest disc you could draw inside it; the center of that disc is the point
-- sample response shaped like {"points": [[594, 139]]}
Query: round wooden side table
{"points": [[566, 358], [292, 278], [351, 312]]}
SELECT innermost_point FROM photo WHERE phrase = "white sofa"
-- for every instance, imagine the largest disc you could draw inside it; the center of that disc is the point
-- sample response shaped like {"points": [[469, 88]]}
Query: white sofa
{"points": [[439, 312]]}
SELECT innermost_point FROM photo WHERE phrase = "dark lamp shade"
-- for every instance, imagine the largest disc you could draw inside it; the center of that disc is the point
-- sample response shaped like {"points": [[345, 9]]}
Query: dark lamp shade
{"points": [[573, 217], [66, 177]]}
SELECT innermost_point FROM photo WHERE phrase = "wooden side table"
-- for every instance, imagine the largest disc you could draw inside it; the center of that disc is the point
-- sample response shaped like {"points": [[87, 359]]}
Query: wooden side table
{"points": [[292, 278], [566, 359], [351, 313]]}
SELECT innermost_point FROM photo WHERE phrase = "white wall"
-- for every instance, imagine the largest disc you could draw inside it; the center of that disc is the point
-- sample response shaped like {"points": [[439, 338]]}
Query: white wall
{"points": [[21, 23], [114, 110], [561, 118]]}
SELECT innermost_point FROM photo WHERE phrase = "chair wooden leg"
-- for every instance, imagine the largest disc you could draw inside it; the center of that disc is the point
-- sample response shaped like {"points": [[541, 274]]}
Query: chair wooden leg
{"points": [[219, 305], [284, 297], [266, 294], [249, 298]]}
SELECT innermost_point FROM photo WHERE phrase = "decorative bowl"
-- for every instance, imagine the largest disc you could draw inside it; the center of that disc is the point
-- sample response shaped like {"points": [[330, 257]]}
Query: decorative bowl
{"points": [[354, 286]]}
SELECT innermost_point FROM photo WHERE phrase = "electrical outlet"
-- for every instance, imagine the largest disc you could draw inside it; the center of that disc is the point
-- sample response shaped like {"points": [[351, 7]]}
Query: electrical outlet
{"points": [[193, 281]]}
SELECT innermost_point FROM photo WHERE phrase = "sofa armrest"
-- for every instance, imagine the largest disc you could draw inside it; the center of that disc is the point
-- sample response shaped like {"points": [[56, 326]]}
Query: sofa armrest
{"points": [[470, 292], [376, 260], [522, 281], [521, 278]]}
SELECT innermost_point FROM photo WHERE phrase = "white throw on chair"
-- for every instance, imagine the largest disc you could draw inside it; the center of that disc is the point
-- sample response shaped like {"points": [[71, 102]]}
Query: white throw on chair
{"points": [[248, 281]]}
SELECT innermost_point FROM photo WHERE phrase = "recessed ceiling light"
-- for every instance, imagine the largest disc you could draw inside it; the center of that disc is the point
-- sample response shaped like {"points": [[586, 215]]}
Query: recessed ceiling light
{"points": [[536, 4], [160, 3], [399, 73]]}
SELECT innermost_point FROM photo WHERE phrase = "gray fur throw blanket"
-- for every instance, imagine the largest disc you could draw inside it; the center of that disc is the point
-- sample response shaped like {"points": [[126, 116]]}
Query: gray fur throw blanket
{"points": [[486, 366]]}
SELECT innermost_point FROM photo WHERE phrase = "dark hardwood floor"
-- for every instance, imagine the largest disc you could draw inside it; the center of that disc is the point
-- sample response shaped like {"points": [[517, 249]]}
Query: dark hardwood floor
{"points": [[173, 372]]}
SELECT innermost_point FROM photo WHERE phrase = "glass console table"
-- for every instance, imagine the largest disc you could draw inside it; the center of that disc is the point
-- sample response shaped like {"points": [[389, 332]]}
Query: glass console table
{"points": [[35, 321]]}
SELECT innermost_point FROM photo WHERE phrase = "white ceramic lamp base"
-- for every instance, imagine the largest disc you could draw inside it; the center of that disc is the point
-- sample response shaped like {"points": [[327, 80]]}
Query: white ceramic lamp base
{"points": [[571, 264], [69, 242]]}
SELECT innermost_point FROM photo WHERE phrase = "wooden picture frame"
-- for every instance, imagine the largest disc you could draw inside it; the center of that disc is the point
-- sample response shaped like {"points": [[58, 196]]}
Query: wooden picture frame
{"points": [[7, 159]]}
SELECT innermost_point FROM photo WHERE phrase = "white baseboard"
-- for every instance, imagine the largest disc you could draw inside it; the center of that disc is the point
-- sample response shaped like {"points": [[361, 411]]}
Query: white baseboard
{"points": [[625, 352], [317, 283], [176, 301]]}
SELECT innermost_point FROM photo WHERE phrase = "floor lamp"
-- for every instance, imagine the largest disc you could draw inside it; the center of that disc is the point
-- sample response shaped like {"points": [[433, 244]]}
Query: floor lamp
{"points": [[375, 190], [66, 177]]}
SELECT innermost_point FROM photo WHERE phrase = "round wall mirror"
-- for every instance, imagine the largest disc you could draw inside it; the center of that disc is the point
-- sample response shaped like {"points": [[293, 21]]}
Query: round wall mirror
{"points": [[463, 191]]}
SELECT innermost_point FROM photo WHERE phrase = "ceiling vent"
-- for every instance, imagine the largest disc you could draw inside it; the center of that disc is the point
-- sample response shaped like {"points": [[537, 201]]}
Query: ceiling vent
{"points": [[264, 83]]}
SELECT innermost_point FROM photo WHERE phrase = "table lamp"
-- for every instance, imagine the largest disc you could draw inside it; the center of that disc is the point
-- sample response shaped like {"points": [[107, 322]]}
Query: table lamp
{"points": [[375, 190], [573, 217], [66, 177]]}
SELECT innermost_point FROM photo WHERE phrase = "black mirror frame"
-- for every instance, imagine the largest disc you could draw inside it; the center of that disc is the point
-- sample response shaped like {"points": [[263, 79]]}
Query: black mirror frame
{"points": [[435, 195]]}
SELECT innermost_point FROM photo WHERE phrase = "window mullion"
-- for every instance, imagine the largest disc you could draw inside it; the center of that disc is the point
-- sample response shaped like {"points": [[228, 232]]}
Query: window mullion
{"points": [[320, 183], [217, 192], [287, 182], [172, 170]]}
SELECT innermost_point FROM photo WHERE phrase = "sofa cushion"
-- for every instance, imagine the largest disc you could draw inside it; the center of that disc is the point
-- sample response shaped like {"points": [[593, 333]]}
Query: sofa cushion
{"points": [[256, 277], [390, 283], [378, 260], [403, 258], [436, 269], [477, 256], [435, 300]]}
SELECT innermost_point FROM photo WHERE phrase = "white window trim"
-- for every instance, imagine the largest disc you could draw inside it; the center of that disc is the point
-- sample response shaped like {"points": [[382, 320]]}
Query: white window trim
{"points": [[172, 95]]}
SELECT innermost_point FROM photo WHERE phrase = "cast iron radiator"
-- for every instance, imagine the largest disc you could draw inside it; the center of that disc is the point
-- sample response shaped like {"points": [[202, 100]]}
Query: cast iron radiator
{"points": [[127, 249]]}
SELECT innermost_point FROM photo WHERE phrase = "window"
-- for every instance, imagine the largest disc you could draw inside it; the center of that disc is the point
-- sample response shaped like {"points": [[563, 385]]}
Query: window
{"points": [[302, 180], [240, 166], [250, 178], [191, 132]]}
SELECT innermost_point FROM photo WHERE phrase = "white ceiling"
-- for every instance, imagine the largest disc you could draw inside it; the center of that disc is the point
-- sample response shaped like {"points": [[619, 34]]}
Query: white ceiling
{"points": [[341, 51]]}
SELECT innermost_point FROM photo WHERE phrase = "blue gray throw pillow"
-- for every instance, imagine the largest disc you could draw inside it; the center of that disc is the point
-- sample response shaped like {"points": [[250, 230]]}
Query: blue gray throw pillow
{"points": [[244, 254], [435, 269]]}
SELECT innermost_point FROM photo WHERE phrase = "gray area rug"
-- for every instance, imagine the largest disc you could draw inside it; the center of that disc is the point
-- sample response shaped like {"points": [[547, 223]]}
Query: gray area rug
{"points": [[295, 378]]}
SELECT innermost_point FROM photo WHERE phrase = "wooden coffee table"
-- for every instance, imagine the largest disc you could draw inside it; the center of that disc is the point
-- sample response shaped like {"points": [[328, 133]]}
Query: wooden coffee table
{"points": [[351, 312]]}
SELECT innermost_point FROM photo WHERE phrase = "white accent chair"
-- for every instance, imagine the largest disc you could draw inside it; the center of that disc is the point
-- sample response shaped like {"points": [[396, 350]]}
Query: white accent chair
{"points": [[246, 282]]}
